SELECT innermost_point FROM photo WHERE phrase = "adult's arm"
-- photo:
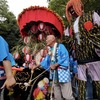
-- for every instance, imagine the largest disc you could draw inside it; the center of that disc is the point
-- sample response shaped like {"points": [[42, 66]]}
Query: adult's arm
{"points": [[63, 58], [4, 53], [10, 81]]}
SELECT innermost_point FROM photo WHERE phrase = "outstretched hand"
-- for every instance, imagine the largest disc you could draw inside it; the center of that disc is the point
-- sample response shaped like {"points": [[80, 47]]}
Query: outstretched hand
{"points": [[9, 83]]}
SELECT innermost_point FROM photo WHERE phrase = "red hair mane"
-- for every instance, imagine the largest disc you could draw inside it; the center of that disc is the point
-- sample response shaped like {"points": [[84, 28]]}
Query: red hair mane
{"points": [[77, 6]]}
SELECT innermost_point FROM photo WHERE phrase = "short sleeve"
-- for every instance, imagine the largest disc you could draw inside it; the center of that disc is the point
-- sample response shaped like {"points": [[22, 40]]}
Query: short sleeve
{"points": [[4, 50], [96, 19]]}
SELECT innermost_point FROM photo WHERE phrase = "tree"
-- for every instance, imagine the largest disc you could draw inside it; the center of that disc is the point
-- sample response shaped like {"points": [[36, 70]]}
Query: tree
{"points": [[59, 7], [90, 5], [8, 24]]}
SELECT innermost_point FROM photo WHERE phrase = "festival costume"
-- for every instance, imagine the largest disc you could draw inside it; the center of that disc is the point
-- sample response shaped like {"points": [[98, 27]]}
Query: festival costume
{"points": [[88, 58], [32, 25], [86, 39], [4, 55], [4, 52], [62, 73]]}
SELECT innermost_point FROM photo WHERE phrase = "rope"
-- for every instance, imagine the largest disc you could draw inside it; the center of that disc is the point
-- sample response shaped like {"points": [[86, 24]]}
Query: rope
{"points": [[40, 74], [30, 81], [29, 96]]}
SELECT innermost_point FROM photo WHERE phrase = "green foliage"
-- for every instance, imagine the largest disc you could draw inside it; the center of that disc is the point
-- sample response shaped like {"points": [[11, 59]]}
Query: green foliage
{"points": [[90, 5], [3, 6], [8, 25], [59, 7]]}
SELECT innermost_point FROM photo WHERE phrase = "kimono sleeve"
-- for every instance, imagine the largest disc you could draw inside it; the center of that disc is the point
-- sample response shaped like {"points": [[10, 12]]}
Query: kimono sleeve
{"points": [[63, 56], [46, 62], [11, 59], [4, 50]]}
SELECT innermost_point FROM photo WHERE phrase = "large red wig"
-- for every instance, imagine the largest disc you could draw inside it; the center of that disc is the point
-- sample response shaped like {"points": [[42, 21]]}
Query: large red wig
{"points": [[77, 6], [34, 15]]}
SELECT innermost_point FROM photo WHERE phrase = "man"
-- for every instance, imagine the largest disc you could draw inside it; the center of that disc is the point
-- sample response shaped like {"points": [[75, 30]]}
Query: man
{"points": [[6, 77], [85, 33], [58, 62]]}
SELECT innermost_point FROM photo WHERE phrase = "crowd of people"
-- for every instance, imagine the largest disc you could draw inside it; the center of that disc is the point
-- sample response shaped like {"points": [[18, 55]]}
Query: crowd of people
{"points": [[81, 64]]}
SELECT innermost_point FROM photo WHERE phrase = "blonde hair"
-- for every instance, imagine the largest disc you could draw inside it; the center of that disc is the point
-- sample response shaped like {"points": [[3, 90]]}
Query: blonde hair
{"points": [[77, 6]]}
